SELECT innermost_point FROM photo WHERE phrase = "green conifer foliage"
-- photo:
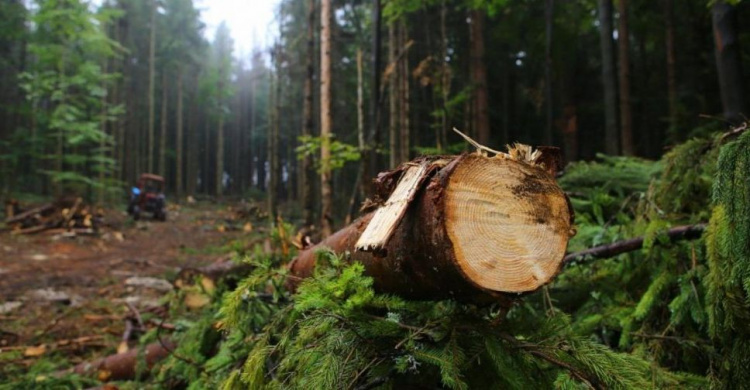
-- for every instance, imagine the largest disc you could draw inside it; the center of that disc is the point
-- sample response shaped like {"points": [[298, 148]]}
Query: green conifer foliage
{"points": [[337, 332], [728, 249], [650, 301]]}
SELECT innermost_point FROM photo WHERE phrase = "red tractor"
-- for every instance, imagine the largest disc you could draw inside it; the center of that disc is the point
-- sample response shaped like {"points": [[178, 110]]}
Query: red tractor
{"points": [[148, 196]]}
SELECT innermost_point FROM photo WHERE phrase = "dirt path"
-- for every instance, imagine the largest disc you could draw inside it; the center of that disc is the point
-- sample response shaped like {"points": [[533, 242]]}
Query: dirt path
{"points": [[190, 238], [58, 288]]}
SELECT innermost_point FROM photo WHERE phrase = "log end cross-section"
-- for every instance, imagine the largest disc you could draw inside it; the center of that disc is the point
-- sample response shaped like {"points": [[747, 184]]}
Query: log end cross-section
{"points": [[508, 222]]}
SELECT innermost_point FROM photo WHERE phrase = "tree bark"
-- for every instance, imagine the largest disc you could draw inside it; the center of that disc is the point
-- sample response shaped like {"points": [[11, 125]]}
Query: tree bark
{"points": [[729, 61], [476, 228], [326, 119], [611, 140], [481, 120], [626, 119], [308, 123]]}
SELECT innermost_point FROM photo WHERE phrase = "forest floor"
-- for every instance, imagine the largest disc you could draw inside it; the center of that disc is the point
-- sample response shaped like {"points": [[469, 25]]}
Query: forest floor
{"points": [[69, 297]]}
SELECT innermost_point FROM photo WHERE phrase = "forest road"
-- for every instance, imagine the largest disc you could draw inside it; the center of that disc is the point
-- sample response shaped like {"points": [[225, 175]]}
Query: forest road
{"points": [[54, 287]]}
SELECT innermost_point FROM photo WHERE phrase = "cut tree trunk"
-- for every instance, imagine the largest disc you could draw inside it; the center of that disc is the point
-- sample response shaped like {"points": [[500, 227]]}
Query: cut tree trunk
{"points": [[469, 227], [122, 366]]}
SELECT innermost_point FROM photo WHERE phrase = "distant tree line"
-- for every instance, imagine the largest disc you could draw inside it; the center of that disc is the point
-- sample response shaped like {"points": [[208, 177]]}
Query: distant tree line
{"points": [[90, 97]]}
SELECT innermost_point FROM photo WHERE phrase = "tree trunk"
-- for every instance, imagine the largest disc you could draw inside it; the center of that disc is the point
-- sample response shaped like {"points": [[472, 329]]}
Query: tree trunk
{"points": [[404, 136], [178, 148], [372, 156], [219, 174], [472, 228], [308, 124], [611, 140], [393, 88], [671, 72], [326, 125], [626, 119], [445, 80], [273, 134], [163, 132], [480, 119], [361, 117], [729, 61], [151, 74], [548, 22]]}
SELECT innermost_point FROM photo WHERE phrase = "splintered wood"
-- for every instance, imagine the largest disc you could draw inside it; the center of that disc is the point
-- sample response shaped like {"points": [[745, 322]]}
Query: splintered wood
{"points": [[387, 217]]}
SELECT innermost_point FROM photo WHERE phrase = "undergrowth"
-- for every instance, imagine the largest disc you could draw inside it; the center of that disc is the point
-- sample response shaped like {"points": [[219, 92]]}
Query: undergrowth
{"points": [[670, 315]]}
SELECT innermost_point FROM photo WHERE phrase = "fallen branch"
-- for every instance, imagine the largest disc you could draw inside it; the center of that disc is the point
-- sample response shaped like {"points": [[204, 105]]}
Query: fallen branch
{"points": [[687, 232]]}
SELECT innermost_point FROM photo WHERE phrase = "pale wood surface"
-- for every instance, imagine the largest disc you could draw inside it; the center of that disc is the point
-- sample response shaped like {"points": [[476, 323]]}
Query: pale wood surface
{"points": [[387, 217], [508, 221]]}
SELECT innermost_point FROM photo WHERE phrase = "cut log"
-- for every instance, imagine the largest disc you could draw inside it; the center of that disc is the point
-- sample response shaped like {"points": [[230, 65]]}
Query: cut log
{"points": [[479, 227], [122, 366], [30, 213]]}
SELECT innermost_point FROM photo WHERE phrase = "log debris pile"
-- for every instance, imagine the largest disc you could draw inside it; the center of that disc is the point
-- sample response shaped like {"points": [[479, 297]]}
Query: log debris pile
{"points": [[65, 215], [472, 227]]}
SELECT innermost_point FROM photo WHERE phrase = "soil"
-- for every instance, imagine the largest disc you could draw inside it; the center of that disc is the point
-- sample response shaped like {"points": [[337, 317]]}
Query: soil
{"points": [[54, 289]]}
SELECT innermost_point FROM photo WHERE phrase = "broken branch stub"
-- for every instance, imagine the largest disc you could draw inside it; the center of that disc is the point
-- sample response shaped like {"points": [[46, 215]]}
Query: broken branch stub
{"points": [[471, 228]]}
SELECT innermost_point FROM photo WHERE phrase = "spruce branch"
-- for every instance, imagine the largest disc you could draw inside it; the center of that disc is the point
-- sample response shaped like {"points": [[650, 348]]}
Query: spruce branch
{"points": [[535, 350], [686, 232]]}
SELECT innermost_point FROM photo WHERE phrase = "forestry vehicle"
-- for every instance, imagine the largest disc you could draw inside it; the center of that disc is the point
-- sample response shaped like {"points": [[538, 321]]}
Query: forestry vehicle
{"points": [[148, 196]]}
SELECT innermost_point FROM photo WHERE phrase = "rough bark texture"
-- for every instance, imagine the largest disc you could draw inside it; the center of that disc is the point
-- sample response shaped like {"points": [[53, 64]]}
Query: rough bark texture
{"points": [[611, 140], [729, 61], [326, 126], [626, 118], [454, 241]]}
